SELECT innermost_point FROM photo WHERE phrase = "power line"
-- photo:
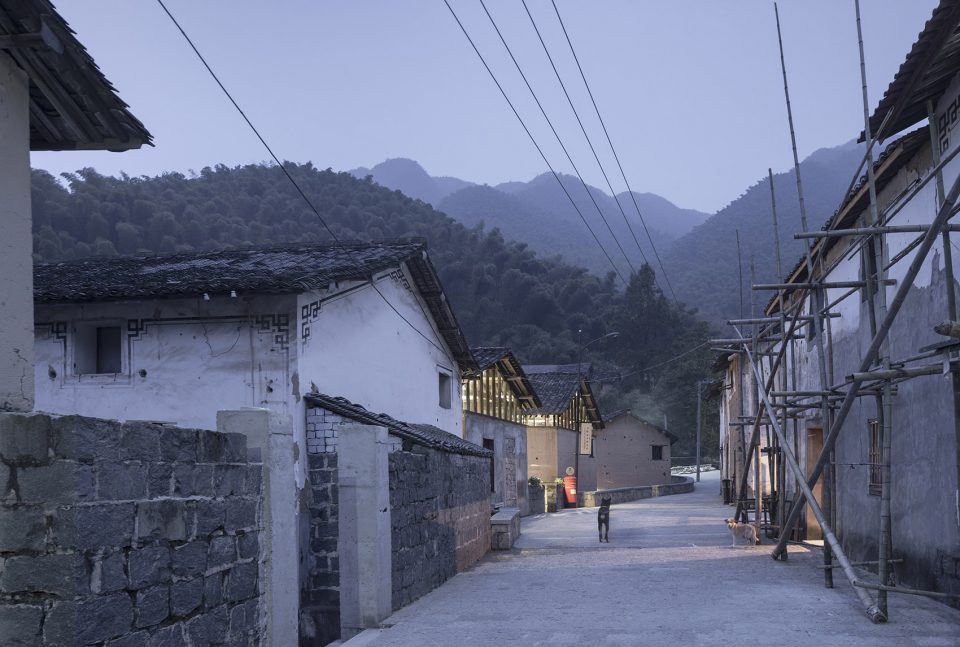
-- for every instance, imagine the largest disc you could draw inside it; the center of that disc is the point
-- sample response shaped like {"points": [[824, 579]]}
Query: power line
{"points": [[665, 362], [557, 135], [287, 173], [614, 150], [534, 141], [584, 130]]}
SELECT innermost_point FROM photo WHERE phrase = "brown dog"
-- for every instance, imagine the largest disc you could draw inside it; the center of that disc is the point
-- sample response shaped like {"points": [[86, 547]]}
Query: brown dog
{"points": [[742, 531]]}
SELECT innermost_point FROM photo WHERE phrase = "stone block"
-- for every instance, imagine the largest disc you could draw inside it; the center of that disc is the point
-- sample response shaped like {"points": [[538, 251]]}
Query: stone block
{"points": [[241, 582], [20, 624], [253, 479], [213, 590], [152, 606], [172, 636], [210, 517], [179, 445], [107, 574], [59, 624], [223, 551], [120, 481], [163, 519], [103, 617], [136, 639], [59, 482], [22, 529], [240, 513], [140, 441], [218, 447], [230, 480], [192, 480], [41, 574], [186, 596], [190, 559], [248, 544], [25, 438], [159, 480], [104, 525], [148, 566], [85, 439], [209, 628]]}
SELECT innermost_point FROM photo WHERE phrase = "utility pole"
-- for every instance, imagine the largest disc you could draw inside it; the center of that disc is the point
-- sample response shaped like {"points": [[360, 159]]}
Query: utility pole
{"points": [[699, 391]]}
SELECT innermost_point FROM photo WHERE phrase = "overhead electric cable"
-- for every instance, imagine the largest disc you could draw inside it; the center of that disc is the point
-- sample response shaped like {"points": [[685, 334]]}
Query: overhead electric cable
{"points": [[534, 141], [557, 135], [603, 171], [287, 173], [614, 151]]}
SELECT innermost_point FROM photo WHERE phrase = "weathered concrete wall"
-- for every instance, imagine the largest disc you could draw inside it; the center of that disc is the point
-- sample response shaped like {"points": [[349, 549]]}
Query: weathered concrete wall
{"points": [[542, 453], [16, 244], [510, 457], [347, 338], [440, 507], [129, 533], [624, 454], [537, 499], [320, 588], [182, 359], [677, 485]]}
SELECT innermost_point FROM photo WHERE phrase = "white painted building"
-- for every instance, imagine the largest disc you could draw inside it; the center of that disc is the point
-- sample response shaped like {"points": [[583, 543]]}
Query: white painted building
{"points": [[177, 338]]}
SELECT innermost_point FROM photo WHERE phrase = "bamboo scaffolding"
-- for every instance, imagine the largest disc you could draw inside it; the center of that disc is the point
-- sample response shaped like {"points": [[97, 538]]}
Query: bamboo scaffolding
{"points": [[873, 612]]}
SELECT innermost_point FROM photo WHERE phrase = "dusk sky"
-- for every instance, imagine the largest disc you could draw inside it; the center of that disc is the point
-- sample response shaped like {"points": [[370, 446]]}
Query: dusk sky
{"points": [[690, 91]]}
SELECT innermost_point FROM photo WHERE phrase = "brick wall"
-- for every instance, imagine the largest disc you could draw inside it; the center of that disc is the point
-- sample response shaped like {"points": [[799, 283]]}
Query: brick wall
{"points": [[126, 534], [322, 430], [320, 594], [440, 518]]}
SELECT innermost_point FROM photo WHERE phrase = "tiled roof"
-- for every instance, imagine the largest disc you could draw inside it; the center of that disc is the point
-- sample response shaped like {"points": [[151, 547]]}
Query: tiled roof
{"points": [[425, 435], [926, 73], [72, 105], [282, 269], [488, 356], [556, 384]]}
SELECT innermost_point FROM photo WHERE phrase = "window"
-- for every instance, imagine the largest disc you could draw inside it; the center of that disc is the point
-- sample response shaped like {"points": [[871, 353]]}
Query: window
{"points": [[874, 457], [488, 444], [657, 452], [97, 350], [445, 387]]}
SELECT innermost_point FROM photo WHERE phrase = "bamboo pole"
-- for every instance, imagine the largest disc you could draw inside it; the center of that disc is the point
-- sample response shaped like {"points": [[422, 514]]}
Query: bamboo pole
{"points": [[873, 612], [871, 353]]}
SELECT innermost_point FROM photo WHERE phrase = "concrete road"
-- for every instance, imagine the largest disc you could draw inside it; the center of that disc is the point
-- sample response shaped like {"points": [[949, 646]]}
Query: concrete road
{"points": [[667, 577]]}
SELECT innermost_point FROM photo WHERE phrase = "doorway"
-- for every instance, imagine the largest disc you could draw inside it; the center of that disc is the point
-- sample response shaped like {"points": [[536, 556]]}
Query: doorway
{"points": [[814, 447]]}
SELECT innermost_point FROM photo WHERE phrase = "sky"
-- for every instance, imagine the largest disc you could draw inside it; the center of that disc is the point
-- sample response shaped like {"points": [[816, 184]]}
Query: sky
{"points": [[690, 91]]}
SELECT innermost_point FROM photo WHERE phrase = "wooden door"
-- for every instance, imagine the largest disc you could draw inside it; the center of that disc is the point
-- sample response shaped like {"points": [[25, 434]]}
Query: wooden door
{"points": [[814, 447]]}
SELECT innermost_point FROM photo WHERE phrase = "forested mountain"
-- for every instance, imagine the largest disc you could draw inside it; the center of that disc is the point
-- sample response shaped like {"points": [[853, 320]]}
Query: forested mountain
{"points": [[538, 213], [502, 292], [702, 265]]}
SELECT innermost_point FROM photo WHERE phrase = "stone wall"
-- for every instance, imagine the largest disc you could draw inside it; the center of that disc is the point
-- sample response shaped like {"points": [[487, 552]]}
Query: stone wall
{"points": [[440, 518], [677, 485], [320, 595], [122, 534]]}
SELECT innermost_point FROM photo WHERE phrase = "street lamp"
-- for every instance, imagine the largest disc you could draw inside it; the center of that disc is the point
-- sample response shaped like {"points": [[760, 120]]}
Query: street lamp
{"points": [[579, 404]]}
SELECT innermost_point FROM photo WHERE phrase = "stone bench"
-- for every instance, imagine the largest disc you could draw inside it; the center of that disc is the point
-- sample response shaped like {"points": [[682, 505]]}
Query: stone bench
{"points": [[504, 528]]}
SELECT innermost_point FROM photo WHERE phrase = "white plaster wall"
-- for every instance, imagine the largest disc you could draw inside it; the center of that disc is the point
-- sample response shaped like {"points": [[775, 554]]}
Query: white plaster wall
{"points": [[355, 346], [197, 357], [16, 243]]}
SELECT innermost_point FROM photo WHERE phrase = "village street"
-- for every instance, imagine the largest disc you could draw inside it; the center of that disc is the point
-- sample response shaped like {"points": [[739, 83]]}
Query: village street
{"points": [[667, 577]]}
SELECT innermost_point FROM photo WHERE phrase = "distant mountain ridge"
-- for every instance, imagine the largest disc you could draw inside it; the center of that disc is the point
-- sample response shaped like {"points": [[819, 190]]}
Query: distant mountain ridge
{"points": [[698, 250], [540, 214]]}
